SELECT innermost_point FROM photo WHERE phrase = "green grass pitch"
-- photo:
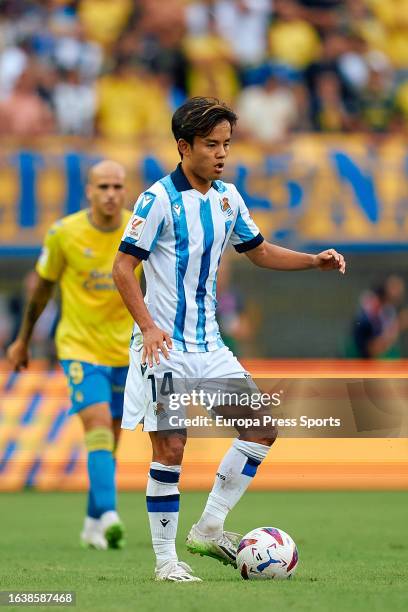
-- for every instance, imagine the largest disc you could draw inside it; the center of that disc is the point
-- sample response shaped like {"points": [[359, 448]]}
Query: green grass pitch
{"points": [[353, 554]]}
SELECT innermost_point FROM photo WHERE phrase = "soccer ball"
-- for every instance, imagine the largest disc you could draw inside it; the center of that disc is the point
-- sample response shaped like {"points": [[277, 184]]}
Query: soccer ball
{"points": [[267, 552]]}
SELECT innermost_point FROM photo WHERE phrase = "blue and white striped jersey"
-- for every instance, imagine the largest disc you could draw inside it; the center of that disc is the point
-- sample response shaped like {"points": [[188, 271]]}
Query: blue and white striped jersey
{"points": [[180, 234]]}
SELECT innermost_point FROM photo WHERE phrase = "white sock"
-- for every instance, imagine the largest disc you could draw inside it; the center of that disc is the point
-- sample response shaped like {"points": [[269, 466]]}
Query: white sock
{"points": [[234, 475], [163, 499]]}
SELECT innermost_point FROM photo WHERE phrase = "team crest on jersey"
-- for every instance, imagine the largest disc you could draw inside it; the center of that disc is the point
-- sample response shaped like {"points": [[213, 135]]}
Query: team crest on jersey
{"points": [[136, 227], [225, 207]]}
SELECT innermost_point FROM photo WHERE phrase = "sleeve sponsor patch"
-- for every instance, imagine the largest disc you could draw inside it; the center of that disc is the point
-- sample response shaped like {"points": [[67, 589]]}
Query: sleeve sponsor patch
{"points": [[136, 227]]}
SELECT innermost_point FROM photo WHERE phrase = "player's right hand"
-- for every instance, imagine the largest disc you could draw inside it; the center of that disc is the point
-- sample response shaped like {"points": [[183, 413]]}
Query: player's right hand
{"points": [[17, 354], [155, 340]]}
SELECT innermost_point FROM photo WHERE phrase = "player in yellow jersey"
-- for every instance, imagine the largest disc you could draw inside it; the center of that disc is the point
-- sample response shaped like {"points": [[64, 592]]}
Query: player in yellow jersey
{"points": [[92, 336]]}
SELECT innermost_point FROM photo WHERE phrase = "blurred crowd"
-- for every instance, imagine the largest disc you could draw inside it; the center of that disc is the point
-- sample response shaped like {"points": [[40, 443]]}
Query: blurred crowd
{"points": [[119, 68], [380, 321]]}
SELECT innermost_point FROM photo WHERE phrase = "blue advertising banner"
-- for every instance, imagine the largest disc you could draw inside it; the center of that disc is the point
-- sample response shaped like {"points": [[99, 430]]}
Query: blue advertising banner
{"points": [[316, 190]]}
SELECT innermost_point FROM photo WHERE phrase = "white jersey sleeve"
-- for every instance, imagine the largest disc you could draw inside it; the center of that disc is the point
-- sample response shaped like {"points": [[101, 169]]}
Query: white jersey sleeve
{"points": [[245, 234], [144, 227]]}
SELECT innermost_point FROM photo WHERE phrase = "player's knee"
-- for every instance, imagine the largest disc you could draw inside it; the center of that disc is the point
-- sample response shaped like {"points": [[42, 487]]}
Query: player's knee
{"points": [[96, 417], [269, 439], [270, 436], [174, 452], [99, 438], [265, 437], [171, 450]]}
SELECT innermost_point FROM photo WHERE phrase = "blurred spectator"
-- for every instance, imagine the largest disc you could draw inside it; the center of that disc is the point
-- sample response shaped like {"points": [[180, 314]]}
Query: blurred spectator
{"points": [[377, 105], [358, 20], [132, 103], [392, 15], [75, 53], [46, 79], [334, 46], [104, 20], [243, 23], [175, 48], [122, 102], [268, 112], [163, 56], [24, 113], [293, 40], [337, 78], [330, 114], [158, 17], [321, 13], [379, 322], [213, 71], [75, 104], [353, 64], [13, 62], [401, 104], [198, 15]]}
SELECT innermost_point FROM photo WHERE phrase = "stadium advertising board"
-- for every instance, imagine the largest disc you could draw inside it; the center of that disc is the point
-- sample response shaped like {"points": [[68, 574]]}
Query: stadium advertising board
{"points": [[348, 191]]}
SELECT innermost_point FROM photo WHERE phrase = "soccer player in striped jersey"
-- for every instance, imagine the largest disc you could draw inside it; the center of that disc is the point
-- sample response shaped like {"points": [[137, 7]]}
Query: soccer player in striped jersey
{"points": [[92, 336], [179, 229]]}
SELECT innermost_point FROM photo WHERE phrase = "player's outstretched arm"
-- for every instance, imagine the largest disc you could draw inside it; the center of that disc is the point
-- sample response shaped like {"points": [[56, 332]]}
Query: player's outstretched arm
{"points": [[17, 352], [268, 255], [154, 338]]}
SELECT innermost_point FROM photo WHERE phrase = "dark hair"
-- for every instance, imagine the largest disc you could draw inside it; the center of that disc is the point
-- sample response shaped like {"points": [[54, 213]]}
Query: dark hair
{"points": [[198, 117]]}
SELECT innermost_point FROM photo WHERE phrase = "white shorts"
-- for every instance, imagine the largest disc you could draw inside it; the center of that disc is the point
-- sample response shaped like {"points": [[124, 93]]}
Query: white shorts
{"points": [[185, 369]]}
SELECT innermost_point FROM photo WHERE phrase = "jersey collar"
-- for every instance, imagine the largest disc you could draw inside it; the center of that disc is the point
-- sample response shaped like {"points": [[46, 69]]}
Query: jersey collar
{"points": [[181, 182]]}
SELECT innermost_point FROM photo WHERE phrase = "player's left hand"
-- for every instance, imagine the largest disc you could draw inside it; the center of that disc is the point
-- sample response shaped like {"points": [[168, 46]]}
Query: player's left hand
{"points": [[330, 260]]}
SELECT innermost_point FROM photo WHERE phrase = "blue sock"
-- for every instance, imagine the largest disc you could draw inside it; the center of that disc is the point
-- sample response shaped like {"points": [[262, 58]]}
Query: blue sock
{"points": [[92, 510], [101, 472], [91, 507]]}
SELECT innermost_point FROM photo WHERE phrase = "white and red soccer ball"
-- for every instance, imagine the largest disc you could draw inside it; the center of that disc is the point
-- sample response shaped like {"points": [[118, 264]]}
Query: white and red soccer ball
{"points": [[267, 552]]}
